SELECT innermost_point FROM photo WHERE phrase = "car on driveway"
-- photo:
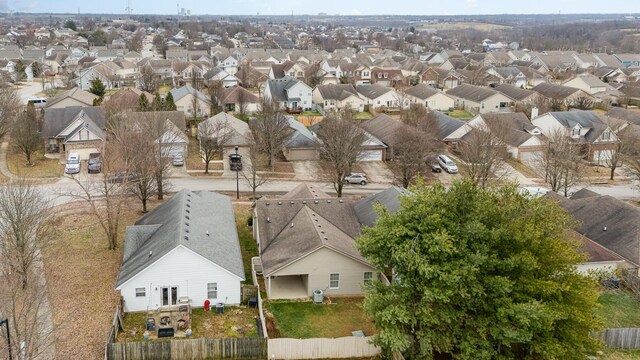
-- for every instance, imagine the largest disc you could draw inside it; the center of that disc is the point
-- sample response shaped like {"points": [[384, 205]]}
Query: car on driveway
{"points": [[178, 160], [435, 167], [356, 178], [95, 165], [73, 164], [447, 164]]}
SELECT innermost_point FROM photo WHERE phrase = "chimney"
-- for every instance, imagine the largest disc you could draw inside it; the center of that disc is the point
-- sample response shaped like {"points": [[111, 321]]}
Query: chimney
{"points": [[534, 112]]}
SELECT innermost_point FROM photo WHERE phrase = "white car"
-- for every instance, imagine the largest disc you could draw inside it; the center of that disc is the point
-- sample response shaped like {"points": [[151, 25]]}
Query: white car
{"points": [[356, 178], [447, 164], [178, 160], [73, 164]]}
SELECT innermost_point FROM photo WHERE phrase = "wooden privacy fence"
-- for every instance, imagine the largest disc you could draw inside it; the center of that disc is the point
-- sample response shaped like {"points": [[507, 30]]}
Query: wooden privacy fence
{"points": [[195, 349], [621, 338], [344, 347]]}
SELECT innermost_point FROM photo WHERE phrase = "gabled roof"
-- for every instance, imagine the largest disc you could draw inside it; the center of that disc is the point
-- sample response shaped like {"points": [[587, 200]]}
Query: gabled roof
{"points": [[233, 95], [77, 94], [447, 124], [202, 222], [278, 87], [389, 199], [472, 92], [513, 92], [300, 136], [241, 134], [337, 92], [306, 191], [586, 119], [373, 91], [384, 128], [179, 93], [554, 91], [57, 120], [512, 128], [422, 91], [628, 115]]}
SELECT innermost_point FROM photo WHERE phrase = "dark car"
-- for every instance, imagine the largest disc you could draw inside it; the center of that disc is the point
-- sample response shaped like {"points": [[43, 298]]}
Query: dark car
{"points": [[94, 166], [435, 167], [122, 176]]}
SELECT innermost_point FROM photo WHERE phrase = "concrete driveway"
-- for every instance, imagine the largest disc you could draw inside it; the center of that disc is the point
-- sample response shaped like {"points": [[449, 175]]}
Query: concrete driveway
{"points": [[308, 170], [377, 172]]}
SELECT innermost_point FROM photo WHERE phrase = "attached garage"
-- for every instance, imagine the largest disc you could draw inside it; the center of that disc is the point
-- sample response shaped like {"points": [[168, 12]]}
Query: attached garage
{"points": [[601, 157], [294, 154], [530, 155], [371, 155]]}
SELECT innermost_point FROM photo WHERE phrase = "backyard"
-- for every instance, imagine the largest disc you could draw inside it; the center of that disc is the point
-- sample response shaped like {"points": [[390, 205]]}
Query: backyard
{"points": [[620, 308], [460, 114], [304, 319], [236, 321]]}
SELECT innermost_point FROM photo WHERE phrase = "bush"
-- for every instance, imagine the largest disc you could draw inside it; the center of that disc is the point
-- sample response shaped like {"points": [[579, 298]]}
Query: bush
{"points": [[250, 220]]}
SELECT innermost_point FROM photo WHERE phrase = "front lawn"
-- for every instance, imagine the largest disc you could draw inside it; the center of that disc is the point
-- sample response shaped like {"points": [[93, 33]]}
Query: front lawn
{"points": [[43, 168], [620, 309], [303, 320], [194, 160]]}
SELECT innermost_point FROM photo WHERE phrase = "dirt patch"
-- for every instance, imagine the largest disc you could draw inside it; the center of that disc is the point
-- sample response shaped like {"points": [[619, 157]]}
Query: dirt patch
{"points": [[81, 274]]}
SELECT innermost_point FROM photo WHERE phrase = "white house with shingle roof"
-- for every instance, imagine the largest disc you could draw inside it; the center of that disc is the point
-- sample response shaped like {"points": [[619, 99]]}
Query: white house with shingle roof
{"points": [[186, 248], [338, 97], [429, 97]]}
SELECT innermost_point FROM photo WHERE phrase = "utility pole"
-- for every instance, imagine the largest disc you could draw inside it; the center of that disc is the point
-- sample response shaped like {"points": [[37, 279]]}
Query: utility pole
{"points": [[6, 323], [128, 9]]}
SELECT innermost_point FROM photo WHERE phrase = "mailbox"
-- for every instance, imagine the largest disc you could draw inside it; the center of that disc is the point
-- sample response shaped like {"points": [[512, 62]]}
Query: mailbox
{"points": [[235, 162]]}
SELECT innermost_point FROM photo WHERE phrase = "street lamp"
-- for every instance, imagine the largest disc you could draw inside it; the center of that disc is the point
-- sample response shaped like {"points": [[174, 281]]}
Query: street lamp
{"points": [[237, 177], [6, 323]]}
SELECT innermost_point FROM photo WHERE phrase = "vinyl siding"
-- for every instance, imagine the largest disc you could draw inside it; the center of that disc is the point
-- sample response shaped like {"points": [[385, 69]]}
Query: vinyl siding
{"points": [[323, 262], [186, 270]]}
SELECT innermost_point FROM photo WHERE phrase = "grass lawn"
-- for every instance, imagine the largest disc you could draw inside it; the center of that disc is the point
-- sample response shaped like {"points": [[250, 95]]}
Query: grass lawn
{"points": [[194, 161], [81, 274], [460, 114], [303, 320], [363, 116], [618, 354], [237, 321], [248, 245], [523, 169], [44, 168], [620, 308]]}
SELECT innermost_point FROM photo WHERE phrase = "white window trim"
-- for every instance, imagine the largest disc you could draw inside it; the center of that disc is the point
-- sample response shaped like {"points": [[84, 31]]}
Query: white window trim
{"points": [[364, 277], [141, 292], [216, 290], [334, 287]]}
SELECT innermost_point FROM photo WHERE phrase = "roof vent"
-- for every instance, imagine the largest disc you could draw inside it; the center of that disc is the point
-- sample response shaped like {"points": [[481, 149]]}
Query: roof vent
{"points": [[186, 237], [304, 201], [207, 232], [186, 224], [326, 238], [187, 211], [605, 229], [188, 205], [150, 253], [291, 202], [186, 230], [340, 201], [291, 224], [321, 231], [315, 201], [186, 217], [267, 203], [328, 201], [268, 219], [279, 202]]}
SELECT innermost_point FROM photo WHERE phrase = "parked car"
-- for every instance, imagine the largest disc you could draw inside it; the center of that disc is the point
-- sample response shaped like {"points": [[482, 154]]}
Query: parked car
{"points": [[95, 164], [356, 178], [37, 102], [435, 167], [178, 160], [73, 164], [447, 164]]}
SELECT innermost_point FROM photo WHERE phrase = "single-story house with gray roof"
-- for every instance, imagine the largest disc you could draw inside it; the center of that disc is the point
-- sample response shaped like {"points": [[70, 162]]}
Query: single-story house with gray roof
{"points": [[73, 129], [185, 249]]}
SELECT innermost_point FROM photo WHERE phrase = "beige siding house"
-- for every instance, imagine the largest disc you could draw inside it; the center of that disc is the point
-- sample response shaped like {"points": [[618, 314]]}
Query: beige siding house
{"points": [[479, 99], [73, 97], [307, 241]]}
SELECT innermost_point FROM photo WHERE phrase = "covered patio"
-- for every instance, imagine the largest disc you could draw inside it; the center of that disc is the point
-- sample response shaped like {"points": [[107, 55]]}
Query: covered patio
{"points": [[287, 287]]}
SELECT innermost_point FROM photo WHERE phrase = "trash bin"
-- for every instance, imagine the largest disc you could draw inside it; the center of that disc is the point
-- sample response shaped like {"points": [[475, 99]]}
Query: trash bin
{"points": [[219, 308], [318, 296]]}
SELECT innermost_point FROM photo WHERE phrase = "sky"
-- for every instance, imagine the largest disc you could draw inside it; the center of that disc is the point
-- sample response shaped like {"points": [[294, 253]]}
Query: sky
{"points": [[342, 7]]}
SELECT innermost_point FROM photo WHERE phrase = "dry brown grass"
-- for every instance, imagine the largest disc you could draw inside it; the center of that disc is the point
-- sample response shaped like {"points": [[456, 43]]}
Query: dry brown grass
{"points": [[43, 168], [81, 276], [194, 160]]}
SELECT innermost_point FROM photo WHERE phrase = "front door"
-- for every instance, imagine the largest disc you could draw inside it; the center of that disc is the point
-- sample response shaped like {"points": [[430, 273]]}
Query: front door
{"points": [[169, 295]]}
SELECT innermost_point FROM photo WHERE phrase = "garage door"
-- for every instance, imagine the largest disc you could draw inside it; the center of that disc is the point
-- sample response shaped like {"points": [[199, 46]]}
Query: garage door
{"points": [[84, 153], [371, 155], [601, 157], [530, 155]]}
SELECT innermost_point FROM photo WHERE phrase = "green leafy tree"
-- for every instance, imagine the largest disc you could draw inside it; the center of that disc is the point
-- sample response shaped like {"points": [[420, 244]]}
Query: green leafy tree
{"points": [[97, 88], [169, 104], [479, 274], [71, 25], [143, 103]]}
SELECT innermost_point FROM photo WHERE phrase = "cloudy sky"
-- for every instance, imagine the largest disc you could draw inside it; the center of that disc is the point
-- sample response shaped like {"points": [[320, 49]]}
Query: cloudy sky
{"points": [[369, 7]]}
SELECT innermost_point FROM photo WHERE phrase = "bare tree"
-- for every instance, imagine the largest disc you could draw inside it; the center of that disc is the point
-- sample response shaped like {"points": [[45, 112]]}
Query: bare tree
{"points": [[562, 162], [9, 108], [195, 106], [251, 170], [582, 103], [414, 114], [270, 130], [313, 74], [212, 137], [340, 147], [412, 151], [630, 152], [555, 105], [148, 80], [143, 165], [215, 94], [24, 227], [25, 134], [483, 154], [160, 134], [242, 101]]}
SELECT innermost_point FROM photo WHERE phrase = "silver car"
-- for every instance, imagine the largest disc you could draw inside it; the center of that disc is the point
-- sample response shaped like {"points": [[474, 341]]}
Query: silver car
{"points": [[178, 160], [447, 164], [356, 178]]}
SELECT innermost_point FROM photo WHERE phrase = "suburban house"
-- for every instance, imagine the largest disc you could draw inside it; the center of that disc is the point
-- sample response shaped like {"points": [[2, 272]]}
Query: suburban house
{"points": [[388, 77], [174, 140], [509, 75], [129, 98], [429, 97], [234, 131], [377, 96], [596, 139], [101, 72], [610, 223], [588, 83], [239, 100], [186, 249], [71, 98], [338, 97], [517, 94], [290, 93], [560, 92], [192, 102], [386, 129], [306, 241], [301, 143], [447, 126], [478, 99], [73, 129], [371, 149], [522, 140]]}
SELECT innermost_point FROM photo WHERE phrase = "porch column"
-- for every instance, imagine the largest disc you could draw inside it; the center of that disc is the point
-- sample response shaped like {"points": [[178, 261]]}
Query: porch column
{"points": [[269, 291]]}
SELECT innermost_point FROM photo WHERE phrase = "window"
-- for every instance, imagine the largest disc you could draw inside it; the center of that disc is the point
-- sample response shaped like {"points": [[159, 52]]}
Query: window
{"points": [[212, 290], [300, 74], [141, 292], [575, 131], [607, 135], [334, 281], [368, 277]]}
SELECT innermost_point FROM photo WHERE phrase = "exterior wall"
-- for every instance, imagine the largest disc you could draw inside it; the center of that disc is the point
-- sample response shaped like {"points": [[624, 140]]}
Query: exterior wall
{"points": [[492, 104], [186, 270], [604, 147], [302, 91], [585, 268], [439, 101], [323, 262], [185, 105], [547, 124], [580, 84], [294, 154], [82, 148]]}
